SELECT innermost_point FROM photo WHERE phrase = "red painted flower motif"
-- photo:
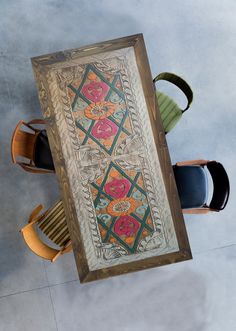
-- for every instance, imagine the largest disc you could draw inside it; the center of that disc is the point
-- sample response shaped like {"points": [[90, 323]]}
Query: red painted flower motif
{"points": [[95, 91], [126, 225], [117, 188], [104, 129]]}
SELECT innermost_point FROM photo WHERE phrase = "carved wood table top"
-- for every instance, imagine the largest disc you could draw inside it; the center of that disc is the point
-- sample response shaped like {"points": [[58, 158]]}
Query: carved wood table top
{"points": [[111, 158]]}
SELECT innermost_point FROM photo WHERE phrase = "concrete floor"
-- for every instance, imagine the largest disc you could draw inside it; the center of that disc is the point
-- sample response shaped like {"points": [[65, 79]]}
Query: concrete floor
{"points": [[196, 39]]}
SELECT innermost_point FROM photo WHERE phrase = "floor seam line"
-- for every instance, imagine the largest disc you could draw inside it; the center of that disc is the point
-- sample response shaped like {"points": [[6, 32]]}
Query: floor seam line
{"points": [[50, 295], [21, 292], [214, 249]]}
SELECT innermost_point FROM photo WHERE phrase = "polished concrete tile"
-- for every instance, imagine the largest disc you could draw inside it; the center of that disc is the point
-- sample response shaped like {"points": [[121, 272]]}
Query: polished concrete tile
{"points": [[62, 270], [22, 89], [27, 311], [53, 25], [194, 295], [20, 270]]}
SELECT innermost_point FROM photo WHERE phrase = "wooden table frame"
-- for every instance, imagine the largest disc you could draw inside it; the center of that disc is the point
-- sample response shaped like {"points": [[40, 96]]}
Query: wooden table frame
{"points": [[45, 68]]}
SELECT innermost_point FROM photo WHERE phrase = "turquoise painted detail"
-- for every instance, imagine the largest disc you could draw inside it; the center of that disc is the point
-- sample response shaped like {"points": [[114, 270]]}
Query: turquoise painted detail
{"points": [[138, 195], [102, 204], [142, 209], [119, 114], [104, 217], [114, 97], [80, 105], [85, 122]]}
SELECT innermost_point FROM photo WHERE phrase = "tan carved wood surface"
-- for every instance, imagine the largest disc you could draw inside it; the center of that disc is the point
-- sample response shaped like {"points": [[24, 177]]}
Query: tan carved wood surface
{"points": [[111, 158]]}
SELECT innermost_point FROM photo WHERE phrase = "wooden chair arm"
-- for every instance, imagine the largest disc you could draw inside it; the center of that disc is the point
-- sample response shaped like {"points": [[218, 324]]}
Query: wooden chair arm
{"points": [[20, 123], [37, 246], [33, 169], [34, 214], [192, 162], [198, 210], [35, 121]]}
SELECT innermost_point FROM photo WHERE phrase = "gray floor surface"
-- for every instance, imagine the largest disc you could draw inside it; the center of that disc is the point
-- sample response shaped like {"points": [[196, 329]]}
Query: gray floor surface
{"points": [[196, 39]]}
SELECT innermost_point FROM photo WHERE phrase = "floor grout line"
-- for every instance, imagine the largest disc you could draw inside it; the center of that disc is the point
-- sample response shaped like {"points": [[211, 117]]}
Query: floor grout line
{"points": [[214, 249], [8, 91], [50, 294], [21, 292], [37, 288]]}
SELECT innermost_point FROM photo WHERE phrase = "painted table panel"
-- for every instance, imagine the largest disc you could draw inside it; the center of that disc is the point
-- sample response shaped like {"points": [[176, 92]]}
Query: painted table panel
{"points": [[106, 158]]}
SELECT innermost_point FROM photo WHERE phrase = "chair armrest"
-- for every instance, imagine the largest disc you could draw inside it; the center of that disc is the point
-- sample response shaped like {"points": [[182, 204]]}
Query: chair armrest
{"points": [[35, 121], [36, 245], [198, 210], [33, 216], [192, 162], [33, 169]]}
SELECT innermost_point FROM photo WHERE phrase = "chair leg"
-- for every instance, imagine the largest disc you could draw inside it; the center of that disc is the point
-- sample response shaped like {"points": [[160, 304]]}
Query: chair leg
{"points": [[67, 249], [56, 256]]}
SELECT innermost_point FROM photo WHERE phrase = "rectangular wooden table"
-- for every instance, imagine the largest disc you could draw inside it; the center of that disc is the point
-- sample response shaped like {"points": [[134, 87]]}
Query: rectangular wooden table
{"points": [[111, 158]]}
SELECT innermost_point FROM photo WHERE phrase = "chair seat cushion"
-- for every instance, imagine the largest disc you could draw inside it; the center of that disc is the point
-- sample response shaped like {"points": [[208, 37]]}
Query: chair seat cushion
{"points": [[169, 110], [192, 186], [42, 155]]}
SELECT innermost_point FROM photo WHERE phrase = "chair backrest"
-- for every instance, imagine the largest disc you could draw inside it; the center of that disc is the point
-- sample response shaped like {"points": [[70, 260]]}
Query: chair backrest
{"points": [[23, 145], [170, 112], [53, 224], [221, 186]]}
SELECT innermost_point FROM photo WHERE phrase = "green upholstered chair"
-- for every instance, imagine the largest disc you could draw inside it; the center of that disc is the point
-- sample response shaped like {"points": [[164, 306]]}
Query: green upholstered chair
{"points": [[171, 113]]}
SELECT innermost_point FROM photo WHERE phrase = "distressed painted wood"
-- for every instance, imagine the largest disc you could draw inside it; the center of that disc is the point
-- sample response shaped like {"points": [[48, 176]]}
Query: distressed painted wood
{"points": [[111, 158]]}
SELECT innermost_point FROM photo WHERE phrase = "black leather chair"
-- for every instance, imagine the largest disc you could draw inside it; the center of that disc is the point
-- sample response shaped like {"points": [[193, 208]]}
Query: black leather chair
{"points": [[30, 148], [192, 185]]}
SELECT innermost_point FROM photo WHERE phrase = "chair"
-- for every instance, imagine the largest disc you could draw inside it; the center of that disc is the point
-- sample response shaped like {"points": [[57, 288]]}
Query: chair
{"points": [[170, 112], [192, 185], [52, 224], [33, 146]]}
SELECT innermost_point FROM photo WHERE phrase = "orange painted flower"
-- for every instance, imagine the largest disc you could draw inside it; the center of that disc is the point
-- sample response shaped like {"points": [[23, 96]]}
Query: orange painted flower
{"points": [[112, 240], [114, 173], [99, 181], [121, 207], [103, 232], [129, 240], [149, 221], [92, 76], [108, 143], [145, 233], [100, 110]]}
